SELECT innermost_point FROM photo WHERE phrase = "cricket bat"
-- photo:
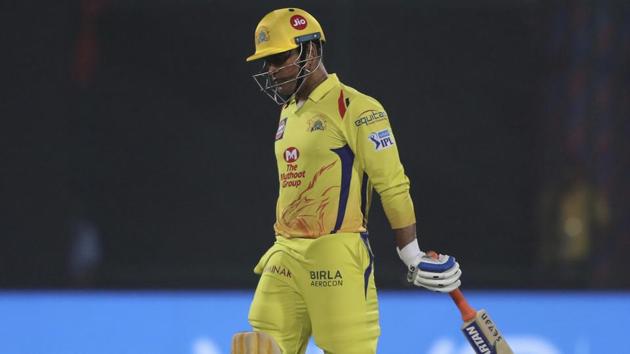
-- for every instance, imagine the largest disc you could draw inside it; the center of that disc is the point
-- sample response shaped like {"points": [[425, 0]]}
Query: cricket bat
{"points": [[479, 329]]}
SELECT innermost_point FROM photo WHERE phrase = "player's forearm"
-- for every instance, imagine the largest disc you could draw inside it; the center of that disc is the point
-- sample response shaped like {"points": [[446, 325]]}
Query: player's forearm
{"points": [[398, 207], [405, 235]]}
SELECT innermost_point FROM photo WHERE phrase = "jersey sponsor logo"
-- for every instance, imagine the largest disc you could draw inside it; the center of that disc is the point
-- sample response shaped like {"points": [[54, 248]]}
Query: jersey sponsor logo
{"points": [[281, 127], [292, 177], [298, 22], [370, 116], [382, 139], [278, 269], [291, 154], [316, 124], [326, 278]]}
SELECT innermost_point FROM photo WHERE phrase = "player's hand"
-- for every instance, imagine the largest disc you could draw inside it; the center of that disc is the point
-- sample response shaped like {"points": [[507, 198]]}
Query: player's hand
{"points": [[430, 270], [436, 274]]}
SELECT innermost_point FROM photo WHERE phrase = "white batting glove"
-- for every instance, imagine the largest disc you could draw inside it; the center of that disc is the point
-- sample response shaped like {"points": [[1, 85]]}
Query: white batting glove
{"points": [[436, 274]]}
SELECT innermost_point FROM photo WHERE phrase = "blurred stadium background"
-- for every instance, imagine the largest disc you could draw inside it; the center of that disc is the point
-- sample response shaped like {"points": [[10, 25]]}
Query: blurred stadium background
{"points": [[139, 182]]}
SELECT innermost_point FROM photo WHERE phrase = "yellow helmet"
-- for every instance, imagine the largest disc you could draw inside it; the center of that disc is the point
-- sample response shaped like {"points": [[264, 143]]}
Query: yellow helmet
{"points": [[284, 29]]}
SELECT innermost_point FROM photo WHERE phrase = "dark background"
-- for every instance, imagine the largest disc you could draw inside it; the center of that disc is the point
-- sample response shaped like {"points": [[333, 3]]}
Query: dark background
{"points": [[137, 151]]}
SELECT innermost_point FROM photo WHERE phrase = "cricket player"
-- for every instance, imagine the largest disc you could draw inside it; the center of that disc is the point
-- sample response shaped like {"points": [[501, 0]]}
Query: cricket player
{"points": [[334, 145]]}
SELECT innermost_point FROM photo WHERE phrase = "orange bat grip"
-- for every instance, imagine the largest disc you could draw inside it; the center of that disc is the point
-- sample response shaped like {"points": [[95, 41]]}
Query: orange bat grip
{"points": [[468, 313]]}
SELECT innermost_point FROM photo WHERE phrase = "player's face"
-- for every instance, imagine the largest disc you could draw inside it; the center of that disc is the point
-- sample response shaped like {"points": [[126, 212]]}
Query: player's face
{"points": [[280, 68]]}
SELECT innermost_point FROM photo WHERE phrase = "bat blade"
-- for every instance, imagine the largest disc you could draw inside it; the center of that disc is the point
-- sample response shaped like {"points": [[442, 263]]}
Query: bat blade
{"points": [[484, 336], [478, 328]]}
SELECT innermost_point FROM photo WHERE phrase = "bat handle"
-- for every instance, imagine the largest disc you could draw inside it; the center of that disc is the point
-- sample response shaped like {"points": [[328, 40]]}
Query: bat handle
{"points": [[468, 313]]}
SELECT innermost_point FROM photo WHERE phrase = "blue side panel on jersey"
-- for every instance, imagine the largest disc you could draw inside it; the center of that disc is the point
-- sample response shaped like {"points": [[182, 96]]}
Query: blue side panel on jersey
{"points": [[368, 270], [347, 159], [364, 201]]}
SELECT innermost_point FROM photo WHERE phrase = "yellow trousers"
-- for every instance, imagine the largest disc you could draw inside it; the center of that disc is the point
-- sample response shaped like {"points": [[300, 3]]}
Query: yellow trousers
{"points": [[322, 287]]}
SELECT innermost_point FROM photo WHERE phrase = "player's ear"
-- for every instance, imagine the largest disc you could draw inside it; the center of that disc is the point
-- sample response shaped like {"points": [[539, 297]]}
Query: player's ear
{"points": [[313, 51], [318, 47]]}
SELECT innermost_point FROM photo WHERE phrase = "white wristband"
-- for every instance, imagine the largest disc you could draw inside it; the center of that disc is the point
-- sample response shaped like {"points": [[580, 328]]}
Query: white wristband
{"points": [[410, 254]]}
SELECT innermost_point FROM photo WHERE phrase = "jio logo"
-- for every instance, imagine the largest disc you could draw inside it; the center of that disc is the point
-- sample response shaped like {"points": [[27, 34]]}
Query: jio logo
{"points": [[298, 22], [291, 154]]}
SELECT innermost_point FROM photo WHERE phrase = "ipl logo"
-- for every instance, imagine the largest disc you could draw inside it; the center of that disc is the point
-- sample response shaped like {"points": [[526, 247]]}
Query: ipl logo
{"points": [[382, 140]]}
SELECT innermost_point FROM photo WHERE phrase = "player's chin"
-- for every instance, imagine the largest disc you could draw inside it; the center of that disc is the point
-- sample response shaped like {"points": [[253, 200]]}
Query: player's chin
{"points": [[286, 89]]}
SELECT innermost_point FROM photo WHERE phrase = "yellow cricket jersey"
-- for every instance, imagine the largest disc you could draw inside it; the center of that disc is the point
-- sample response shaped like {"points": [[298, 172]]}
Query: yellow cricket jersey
{"points": [[331, 152]]}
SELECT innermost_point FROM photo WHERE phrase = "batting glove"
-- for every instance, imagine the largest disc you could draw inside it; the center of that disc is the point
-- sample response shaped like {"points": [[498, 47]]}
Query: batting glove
{"points": [[439, 273]]}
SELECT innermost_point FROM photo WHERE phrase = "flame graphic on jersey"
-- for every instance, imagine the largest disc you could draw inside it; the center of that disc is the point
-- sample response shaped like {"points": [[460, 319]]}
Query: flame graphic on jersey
{"points": [[307, 212]]}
